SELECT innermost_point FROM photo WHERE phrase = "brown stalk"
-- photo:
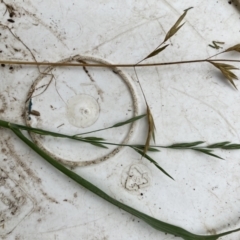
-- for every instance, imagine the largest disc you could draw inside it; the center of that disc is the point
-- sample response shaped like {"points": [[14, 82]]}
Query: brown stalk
{"points": [[66, 64], [151, 130]]}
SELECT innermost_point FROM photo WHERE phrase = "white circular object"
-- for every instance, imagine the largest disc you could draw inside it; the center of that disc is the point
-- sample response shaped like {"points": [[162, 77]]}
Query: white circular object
{"points": [[69, 99], [82, 111]]}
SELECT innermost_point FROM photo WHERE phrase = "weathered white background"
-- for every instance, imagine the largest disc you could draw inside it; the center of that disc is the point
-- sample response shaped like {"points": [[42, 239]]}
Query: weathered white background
{"points": [[189, 103]]}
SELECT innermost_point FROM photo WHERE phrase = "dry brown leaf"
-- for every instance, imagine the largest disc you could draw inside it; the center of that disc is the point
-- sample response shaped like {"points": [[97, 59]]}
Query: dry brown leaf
{"points": [[155, 52], [176, 26], [226, 71], [234, 48], [151, 130]]}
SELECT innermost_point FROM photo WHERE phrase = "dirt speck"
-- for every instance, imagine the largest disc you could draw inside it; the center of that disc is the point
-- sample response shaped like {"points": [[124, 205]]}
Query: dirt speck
{"points": [[51, 199], [3, 150], [3, 104], [11, 20]]}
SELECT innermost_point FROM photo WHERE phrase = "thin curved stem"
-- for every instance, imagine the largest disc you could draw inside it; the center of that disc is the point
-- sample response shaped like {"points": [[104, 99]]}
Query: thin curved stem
{"points": [[58, 64]]}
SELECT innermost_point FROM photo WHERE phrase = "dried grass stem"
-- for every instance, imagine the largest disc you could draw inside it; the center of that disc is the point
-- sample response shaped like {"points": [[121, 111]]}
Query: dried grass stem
{"points": [[67, 64]]}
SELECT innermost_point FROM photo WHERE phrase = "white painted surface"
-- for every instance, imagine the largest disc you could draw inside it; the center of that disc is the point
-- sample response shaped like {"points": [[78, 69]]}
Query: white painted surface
{"points": [[189, 103]]}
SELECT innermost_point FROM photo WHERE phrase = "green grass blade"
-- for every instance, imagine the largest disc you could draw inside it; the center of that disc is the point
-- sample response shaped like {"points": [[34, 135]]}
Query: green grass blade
{"points": [[152, 161], [38, 131], [94, 139], [231, 146], [90, 140], [207, 151], [155, 223], [98, 144], [97, 141], [218, 145], [150, 149], [185, 145], [131, 120]]}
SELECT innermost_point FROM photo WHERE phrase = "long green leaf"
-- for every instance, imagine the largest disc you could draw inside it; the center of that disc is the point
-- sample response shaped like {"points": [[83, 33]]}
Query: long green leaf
{"points": [[91, 140], [185, 145], [98, 141], [150, 149], [218, 145], [119, 124], [231, 146], [128, 121], [207, 151], [152, 161], [157, 224], [98, 145], [94, 139]]}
